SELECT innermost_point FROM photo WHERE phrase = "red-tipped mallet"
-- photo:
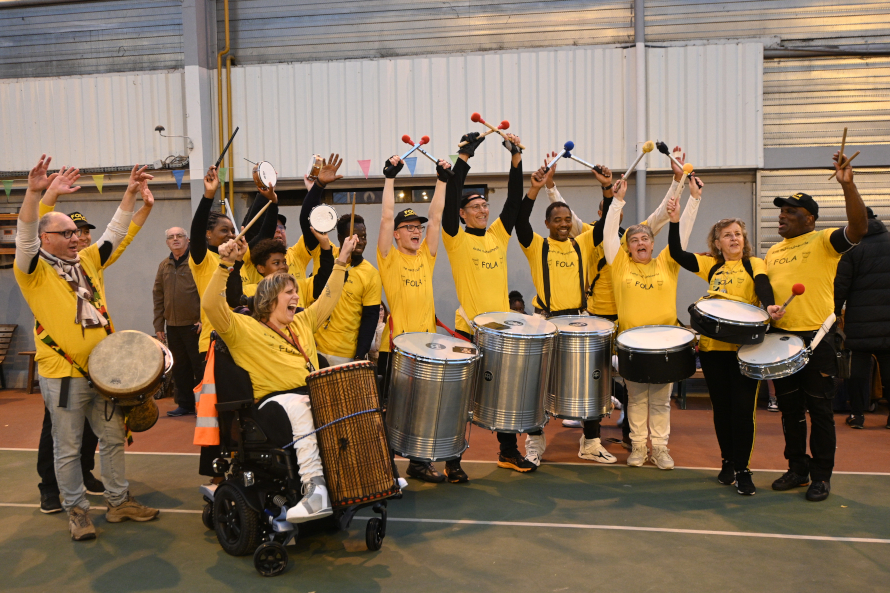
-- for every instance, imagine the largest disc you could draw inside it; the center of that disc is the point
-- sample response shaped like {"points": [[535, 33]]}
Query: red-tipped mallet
{"points": [[414, 146], [504, 125], [796, 290], [478, 119]]}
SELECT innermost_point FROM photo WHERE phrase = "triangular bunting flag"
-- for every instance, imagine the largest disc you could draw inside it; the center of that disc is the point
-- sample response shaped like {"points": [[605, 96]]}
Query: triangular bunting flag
{"points": [[7, 186], [366, 166], [411, 161], [99, 180], [223, 171], [178, 175], [453, 158]]}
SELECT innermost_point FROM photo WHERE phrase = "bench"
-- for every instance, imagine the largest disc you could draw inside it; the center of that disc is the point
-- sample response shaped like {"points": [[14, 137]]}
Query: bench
{"points": [[6, 331], [32, 380]]}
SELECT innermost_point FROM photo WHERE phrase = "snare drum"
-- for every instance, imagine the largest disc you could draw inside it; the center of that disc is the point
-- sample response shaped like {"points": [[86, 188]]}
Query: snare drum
{"points": [[515, 371], [729, 321], [430, 394], [323, 218], [314, 167], [581, 383], [779, 355], [264, 175], [354, 452], [656, 354]]}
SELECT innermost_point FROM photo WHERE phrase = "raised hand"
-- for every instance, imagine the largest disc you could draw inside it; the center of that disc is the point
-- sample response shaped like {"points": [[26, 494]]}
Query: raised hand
{"points": [[673, 209], [548, 178], [328, 173], [512, 143], [62, 184], [605, 178], [37, 177], [844, 175], [346, 248], [232, 250], [620, 189], [392, 167], [443, 170], [681, 158], [695, 186], [269, 194], [308, 182], [323, 240], [211, 182], [137, 176], [538, 179], [473, 141], [148, 199]]}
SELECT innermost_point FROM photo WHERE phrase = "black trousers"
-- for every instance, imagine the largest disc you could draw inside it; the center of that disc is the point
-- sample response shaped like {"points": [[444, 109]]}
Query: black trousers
{"points": [[734, 399], [859, 383], [810, 390], [183, 344], [48, 485], [592, 427]]}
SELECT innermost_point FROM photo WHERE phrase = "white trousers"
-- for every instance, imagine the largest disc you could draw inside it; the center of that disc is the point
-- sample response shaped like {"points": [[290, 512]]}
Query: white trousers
{"points": [[335, 360], [300, 414], [649, 412]]}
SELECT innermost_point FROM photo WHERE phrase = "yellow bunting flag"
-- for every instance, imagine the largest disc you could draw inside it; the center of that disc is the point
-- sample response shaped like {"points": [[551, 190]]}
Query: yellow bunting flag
{"points": [[99, 180]]}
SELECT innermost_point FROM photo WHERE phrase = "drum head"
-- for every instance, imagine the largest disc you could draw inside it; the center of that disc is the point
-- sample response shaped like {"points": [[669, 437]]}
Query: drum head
{"points": [[435, 346], [126, 363], [346, 366], [774, 348], [656, 337], [267, 174], [733, 310], [581, 324], [513, 323], [323, 218]]}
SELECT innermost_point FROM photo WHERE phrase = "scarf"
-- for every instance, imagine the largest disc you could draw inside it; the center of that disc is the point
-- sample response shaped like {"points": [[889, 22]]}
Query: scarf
{"points": [[71, 272]]}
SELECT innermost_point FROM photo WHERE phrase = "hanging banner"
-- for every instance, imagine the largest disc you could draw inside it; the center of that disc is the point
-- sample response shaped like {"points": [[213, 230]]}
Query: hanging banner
{"points": [[366, 166]]}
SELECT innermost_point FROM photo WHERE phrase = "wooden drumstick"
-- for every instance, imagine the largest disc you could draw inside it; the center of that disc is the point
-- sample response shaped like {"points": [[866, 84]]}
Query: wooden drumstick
{"points": [[796, 290], [352, 217], [846, 162], [843, 142], [255, 218], [478, 119], [502, 126], [826, 326]]}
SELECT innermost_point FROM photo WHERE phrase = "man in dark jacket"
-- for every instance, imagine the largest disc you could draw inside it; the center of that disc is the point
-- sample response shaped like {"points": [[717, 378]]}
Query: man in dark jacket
{"points": [[863, 283]]}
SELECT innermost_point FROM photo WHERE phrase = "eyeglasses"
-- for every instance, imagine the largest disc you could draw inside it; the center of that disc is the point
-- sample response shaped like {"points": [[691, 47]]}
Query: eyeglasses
{"points": [[413, 228], [477, 208], [178, 236], [67, 234], [281, 227]]}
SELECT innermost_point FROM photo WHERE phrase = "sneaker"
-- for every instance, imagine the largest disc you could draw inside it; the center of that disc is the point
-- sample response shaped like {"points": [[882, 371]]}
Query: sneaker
{"points": [[790, 480], [208, 491], [661, 458], [535, 444], [638, 455], [180, 411], [572, 423], [744, 483], [615, 403], [727, 474], [425, 472], [315, 503], [93, 485], [131, 510], [403, 483], [773, 405], [516, 462], [455, 473], [80, 525], [50, 503], [818, 490], [854, 421], [593, 450]]}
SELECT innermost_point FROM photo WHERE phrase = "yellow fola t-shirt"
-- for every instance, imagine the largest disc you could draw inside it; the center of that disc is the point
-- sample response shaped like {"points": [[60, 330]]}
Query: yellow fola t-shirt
{"points": [[408, 283], [646, 294], [338, 335], [54, 306], [732, 279], [567, 281], [810, 260], [202, 273], [479, 269]]}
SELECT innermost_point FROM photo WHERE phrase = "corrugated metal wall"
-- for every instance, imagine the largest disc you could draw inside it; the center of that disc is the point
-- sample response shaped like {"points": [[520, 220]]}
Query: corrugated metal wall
{"points": [[268, 31], [872, 184], [806, 102], [93, 121], [798, 23], [90, 37]]}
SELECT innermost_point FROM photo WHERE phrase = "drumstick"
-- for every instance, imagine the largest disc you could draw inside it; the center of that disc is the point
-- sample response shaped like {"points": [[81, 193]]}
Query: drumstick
{"points": [[663, 149], [648, 147], [255, 218], [226, 149], [478, 119], [797, 289], [352, 216], [846, 162], [568, 146], [843, 141], [414, 146], [687, 169], [826, 325], [501, 126]]}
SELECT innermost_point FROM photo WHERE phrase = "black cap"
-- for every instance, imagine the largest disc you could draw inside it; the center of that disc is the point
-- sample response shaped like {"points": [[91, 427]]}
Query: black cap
{"points": [[467, 199], [408, 215], [870, 212], [282, 219], [80, 220], [799, 200]]}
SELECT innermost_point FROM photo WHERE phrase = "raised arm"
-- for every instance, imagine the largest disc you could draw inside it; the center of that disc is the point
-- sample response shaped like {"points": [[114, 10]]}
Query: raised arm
{"points": [[213, 301], [326, 176], [690, 212], [514, 185], [437, 205], [659, 217], [27, 242], [857, 217], [116, 231], [198, 230], [327, 300], [391, 168], [524, 231], [136, 224], [611, 240], [455, 188], [554, 196], [325, 264]]}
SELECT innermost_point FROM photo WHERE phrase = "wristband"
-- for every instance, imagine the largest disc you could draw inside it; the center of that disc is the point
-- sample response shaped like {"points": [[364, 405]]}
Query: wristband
{"points": [[607, 187], [227, 268]]}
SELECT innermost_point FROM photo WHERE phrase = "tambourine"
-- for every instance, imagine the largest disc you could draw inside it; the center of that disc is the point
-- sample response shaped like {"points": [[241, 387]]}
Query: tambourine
{"points": [[314, 167], [264, 175], [323, 218]]}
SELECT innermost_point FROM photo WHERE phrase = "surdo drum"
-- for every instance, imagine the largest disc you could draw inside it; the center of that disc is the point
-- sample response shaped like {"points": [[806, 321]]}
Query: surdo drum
{"points": [[515, 370], [323, 218], [729, 321], [581, 382], [430, 394], [264, 175], [779, 355], [656, 354]]}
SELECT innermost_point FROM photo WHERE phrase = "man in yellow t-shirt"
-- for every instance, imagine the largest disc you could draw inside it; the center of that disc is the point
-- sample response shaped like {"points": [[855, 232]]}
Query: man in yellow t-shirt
{"points": [[406, 273], [810, 257], [66, 294]]}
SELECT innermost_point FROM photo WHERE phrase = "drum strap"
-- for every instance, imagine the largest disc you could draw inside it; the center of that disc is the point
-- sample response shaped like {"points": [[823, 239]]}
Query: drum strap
{"points": [[451, 332], [545, 272], [746, 263], [295, 342]]}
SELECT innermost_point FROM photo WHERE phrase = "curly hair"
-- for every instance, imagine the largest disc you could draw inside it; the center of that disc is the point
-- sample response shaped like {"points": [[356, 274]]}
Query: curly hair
{"points": [[263, 250], [343, 225], [266, 298], [714, 234]]}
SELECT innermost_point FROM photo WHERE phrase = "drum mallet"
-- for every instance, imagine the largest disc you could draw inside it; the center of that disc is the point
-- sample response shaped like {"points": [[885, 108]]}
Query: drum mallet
{"points": [[648, 147], [566, 151], [796, 290], [501, 126], [687, 169], [478, 119], [255, 218], [826, 325], [663, 149], [431, 157], [414, 146], [226, 149]]}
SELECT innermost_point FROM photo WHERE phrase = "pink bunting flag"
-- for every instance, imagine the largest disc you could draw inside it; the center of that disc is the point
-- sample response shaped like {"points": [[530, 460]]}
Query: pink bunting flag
{"points": [[366, 166]]}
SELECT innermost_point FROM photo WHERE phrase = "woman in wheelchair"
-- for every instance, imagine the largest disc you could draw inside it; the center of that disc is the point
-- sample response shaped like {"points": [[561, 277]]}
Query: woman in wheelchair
{"points": [[276, 346]]}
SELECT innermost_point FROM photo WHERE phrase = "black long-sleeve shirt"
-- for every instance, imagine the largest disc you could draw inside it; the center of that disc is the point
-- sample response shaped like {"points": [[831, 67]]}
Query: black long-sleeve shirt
{"points": [[312, 199], [454, 193]]}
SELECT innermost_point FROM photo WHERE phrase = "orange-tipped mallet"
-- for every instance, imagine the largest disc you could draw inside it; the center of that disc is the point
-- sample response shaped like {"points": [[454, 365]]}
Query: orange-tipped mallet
{"points": [[796, 290], [414, 145], [504, 125], [475, 117]]}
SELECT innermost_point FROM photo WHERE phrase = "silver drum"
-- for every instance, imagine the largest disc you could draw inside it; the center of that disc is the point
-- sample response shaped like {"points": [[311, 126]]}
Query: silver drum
{"points": [[431, 391], [581, 382], [515, 371]]}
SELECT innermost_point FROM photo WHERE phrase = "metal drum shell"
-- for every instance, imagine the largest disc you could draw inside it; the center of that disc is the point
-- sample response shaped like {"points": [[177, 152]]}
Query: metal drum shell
{"points": [[429, 403], [656, 366], [581, 379], [774, 370], [513, 378]]}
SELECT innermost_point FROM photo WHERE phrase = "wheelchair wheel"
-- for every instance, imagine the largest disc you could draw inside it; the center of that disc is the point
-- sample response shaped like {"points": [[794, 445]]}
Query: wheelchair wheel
{"points": [[207, 517], [237, 525], [270, 559], [374, 534]]}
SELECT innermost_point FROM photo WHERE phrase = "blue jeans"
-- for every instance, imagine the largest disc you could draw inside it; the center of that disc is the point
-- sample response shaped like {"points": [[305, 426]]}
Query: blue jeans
{"points": [[84, 403]]}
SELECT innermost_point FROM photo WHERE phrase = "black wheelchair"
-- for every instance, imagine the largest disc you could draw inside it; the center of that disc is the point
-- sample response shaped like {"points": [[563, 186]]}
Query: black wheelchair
{"points": [[248, 509]]}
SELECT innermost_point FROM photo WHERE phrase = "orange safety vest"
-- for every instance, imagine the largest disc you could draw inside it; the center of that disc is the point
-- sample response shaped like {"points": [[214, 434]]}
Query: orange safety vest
{"points": [[207, 427]]}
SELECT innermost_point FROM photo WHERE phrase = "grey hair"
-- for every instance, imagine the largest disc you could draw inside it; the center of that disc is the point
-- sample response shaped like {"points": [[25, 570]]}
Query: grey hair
{"points": [[46, 220], [184, 232], [637, 229], [267, 291]]}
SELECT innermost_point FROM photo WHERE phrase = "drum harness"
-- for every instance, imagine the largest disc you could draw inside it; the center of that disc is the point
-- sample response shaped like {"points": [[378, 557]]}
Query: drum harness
{"points": [[545, 269]]}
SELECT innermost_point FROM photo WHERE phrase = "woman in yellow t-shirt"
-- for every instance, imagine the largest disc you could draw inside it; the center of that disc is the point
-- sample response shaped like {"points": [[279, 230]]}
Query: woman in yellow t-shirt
{"points": [[729, 269]]}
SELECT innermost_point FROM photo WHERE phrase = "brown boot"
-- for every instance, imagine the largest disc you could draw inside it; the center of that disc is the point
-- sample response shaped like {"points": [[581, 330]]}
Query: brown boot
{"points": [[129, 509], [80, 525]]}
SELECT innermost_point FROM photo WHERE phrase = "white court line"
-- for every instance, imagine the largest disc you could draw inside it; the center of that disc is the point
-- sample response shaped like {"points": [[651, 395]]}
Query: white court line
{"points": [[820, 538]]}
